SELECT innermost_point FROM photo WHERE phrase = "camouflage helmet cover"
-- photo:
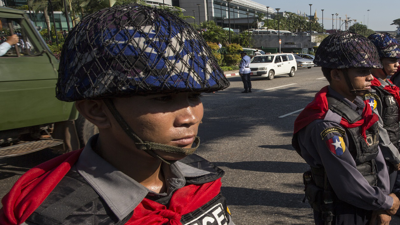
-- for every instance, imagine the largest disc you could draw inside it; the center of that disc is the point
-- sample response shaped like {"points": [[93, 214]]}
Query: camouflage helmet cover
{"points": [[347, 50], [386, 44], [135, 50]]}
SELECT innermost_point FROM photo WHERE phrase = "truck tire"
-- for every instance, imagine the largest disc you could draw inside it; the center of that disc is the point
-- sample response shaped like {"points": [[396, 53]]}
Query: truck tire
{"points": [[85, 130]]}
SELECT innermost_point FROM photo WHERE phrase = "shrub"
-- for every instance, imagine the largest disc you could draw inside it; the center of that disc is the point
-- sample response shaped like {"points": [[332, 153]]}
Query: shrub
{"points": [[232, 59], [234, 48]]}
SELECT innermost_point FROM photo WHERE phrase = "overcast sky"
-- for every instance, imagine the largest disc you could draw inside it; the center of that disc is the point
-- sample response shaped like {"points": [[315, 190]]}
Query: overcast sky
{"points": [[379, 18]]}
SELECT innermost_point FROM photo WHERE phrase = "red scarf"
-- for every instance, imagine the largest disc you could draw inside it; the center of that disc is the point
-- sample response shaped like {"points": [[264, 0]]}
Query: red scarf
{"points": [[318, 108], [35, 185], [392, 89]]}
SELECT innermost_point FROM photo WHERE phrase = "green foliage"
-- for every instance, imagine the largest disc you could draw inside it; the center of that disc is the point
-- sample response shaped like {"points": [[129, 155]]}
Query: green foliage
{"points": [[231, 59], [214, 33], [293, 22], [213, 46], [216, 52], [361, 29], [229, 68], [234, 48]]}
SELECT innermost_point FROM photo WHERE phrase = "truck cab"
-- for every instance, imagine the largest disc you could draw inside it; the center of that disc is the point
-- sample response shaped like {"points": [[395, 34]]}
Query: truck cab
{"points": [[32, 118]]}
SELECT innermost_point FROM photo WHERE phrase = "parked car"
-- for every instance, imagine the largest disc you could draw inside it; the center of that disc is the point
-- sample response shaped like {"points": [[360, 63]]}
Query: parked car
{"points": [[307, 56], [251, 51], [273, 64], [302, 62]]}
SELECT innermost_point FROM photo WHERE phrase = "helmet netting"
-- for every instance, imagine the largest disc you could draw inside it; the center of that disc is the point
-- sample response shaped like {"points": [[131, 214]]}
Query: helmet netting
{"points": [[135, 50], [347, 50]]}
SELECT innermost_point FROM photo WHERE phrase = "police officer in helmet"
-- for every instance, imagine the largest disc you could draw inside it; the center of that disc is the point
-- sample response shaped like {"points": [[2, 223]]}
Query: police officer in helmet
{"points": [[385, 99], [137, 73], [337, 135]]}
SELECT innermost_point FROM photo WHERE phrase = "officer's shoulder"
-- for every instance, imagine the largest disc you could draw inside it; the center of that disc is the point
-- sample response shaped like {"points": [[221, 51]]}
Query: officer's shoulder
{"points": [[198, 162], [326, 128]]}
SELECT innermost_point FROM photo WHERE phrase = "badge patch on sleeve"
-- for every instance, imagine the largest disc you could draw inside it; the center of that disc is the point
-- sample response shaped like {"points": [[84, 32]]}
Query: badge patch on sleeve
{"points": [[371, 99], [336, 145]]}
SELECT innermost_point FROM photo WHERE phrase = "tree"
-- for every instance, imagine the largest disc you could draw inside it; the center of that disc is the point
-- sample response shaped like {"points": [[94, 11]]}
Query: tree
{"points": [[214, 33], [396, 22], [361, 29]]}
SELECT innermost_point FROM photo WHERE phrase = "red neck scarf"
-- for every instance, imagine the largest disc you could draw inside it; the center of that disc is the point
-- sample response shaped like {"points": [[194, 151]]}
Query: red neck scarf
{"points": [[392, 89], [183, 201], [35, 185], [318, 108]]}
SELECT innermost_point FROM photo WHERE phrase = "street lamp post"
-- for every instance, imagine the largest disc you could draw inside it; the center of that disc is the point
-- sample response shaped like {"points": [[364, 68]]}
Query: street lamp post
{"points": [[310, 19], [367, 17], [194, 16], [279, 33], [267, 17], [336, 21], [198, 6], [332, 22], [66, 14], [222, 16], [248, 23], [229, 19], [322, 20]]}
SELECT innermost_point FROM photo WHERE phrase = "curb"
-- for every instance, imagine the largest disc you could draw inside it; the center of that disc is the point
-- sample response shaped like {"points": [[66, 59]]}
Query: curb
{"points": [[231, 74]]}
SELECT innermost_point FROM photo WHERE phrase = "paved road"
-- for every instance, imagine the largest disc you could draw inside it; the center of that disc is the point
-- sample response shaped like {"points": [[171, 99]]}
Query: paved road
{"points": [[249, 136]]}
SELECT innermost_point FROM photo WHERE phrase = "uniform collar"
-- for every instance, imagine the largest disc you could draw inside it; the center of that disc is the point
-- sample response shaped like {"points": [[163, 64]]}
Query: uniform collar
{"points": [[357, 105], [122, 193]]}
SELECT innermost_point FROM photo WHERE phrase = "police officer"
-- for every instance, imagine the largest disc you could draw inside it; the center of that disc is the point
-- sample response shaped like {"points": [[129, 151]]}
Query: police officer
{"points": [[244, 71], [337, 135], [136, 73], [386, 99]]}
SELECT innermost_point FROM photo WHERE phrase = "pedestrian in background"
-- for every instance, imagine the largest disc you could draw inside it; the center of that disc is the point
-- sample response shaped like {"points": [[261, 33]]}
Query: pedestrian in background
{"points": [[337, 135], [386, 101], [244, 71], [140, 169]]}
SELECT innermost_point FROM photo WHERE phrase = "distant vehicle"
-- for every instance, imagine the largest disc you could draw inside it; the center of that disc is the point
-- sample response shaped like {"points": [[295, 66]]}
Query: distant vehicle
{"points": [[273, 32], [251, 51], [307, 56], [273, 64], [302, 62]]}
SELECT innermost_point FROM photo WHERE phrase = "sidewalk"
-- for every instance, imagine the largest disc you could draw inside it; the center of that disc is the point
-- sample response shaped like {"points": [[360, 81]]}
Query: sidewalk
{"points": [[231, 73]]}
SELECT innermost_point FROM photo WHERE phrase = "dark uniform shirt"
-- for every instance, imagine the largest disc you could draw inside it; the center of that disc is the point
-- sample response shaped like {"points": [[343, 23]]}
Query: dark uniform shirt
{"points": [[389, 151], [121, 193], [347, 182]]}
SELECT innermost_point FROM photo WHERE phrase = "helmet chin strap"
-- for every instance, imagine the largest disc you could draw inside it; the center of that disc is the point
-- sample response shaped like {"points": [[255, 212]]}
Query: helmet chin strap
{"points": [[147, 146], [351, 87]]}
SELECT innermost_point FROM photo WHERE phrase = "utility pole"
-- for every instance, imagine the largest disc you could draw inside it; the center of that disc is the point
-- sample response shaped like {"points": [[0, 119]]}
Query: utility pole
{"points": [[322, 20], [267, 17]]}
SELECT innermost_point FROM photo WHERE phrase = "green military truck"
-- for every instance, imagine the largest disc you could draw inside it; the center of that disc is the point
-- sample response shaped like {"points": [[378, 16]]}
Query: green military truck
{"points": [[31, 117]]}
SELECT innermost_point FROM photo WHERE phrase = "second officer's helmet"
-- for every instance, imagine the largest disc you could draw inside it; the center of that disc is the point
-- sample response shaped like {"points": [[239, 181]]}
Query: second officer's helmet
{"points": [[344, 50], [135, 50], [386, 44]]}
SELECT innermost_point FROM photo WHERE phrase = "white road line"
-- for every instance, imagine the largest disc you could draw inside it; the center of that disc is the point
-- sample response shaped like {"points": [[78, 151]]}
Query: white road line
{"points": [[279, 87], [321, 78], [290, 113]]}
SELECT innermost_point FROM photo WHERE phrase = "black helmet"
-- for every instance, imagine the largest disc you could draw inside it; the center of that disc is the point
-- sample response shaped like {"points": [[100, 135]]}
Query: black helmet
{"points": [[347, 50], [135, 50]]}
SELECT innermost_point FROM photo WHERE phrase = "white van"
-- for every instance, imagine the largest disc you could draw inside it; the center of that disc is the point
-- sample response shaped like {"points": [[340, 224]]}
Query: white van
{"points": [[273, 64]]}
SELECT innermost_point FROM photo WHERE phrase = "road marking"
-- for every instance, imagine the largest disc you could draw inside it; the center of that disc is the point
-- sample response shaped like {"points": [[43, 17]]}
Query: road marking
{"points": [[290, 113], [321, 78], [279, 87]]}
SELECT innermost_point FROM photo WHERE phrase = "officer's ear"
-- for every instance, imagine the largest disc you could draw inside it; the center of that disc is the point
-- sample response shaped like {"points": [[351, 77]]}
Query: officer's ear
{"points": [[95, 111], [335, 75]]}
